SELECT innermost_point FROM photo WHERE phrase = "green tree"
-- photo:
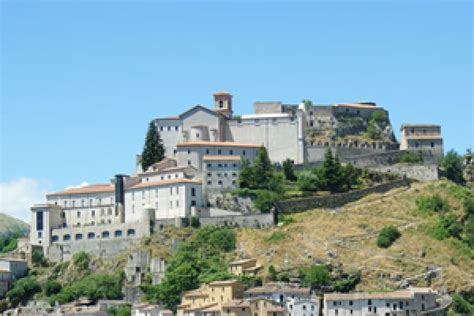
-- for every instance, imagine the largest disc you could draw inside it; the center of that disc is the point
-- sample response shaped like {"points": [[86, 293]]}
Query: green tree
{"points": [[121, 310], [245, 175], [153, 150], [262, 169], [316, 276], [387, 236], [81, 260], [469, 231], [272, 274], [351, 176], [23, 290], [452, 165], [289, 170], [461, 306], [52, 287], [332, 173], [308, 181]]}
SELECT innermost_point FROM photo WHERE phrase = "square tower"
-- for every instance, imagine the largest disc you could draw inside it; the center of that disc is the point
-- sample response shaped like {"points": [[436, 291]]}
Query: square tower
{"points": [[425, 138], [223, 103]]}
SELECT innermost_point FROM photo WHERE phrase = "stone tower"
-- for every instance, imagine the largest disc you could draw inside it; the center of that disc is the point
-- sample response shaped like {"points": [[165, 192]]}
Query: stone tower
{"points": [[223, 103]]}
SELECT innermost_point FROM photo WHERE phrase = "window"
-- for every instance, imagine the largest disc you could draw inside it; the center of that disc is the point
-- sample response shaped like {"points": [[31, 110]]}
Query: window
{"points": [[231, 152], [209, 182], [40, 234], [79, 236], [197, 135], [169, 128], [189, 151], [177, 190], [39, 220], [73, 203], [209, 174], [432, 144], [171, 191], [219, 182], [219, 152], [161, 128], [243, 152], [234, 165], [109, 211], [209, 165], [193, 191], [93, 213], [370, 302], [221, 104], [82, 203], [102, 212], [90, 235], [67, 237], [118, 233], [207, 151], [176, 128], [193, 203], [54, 238], [78, 214], [131, 232], [350, 303], [65, 203], [105, 234]]}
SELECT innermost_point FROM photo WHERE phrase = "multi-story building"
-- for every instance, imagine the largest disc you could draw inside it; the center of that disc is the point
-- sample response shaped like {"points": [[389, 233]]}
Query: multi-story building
{"points": [[244, 267], [424, 138], [410, 302], [214, 295], [10, 270]]}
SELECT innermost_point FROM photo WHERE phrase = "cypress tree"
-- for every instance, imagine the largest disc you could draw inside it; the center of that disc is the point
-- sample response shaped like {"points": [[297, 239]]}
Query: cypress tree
{"points": [[153, 150], [245, 175], [262, 169]]}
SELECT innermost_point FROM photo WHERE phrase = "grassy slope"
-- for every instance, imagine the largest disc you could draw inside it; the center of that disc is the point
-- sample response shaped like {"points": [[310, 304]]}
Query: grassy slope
{"points": [[347, 236], [9, 223]]}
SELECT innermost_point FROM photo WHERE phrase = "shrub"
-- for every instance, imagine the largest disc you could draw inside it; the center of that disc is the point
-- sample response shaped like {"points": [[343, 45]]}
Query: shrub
{"points": [[468, 231], [272, 273], [429, 204], [468, 206], [81, 260], [316, 276], [387, 236], [461, 306], [347, 284], [94, 287], [289, 170], [52, 287], [266, 200], [37, 257], [276, 236], [23, 290], [195, 222], [308, 181], [411, 157], [121, 310], [447, 226], [285, 219], [452, 165]]}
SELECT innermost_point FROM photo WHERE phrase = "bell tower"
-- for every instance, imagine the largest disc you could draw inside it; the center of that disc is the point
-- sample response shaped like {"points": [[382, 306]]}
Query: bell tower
{"points": [[223, 103]]}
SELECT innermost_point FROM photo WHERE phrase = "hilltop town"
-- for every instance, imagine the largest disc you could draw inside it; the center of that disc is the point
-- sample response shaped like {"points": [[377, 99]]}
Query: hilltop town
{"points": [[224, 188]]}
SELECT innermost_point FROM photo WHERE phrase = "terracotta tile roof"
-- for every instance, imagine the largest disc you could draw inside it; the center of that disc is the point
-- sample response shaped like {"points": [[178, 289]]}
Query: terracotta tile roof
{"points": [[277, 288], [221, 92], [217, 144], [166, 170], [221, 158], [162, 182], [93, 188], [405, 294], [226, 282], [236, 303]]}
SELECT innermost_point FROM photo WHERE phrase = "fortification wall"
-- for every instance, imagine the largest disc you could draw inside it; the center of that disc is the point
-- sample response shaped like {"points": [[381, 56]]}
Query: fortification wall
{"points": [[334, 200], [100, 248], [242, 220], [417, 172]]}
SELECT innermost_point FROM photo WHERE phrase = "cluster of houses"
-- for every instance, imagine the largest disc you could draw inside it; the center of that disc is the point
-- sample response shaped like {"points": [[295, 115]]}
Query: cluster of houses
{"points": [[11, 269]]}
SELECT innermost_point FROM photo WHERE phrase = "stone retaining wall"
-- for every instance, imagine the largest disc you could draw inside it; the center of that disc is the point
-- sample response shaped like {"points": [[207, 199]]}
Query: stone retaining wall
{"points": [[334, 200]]}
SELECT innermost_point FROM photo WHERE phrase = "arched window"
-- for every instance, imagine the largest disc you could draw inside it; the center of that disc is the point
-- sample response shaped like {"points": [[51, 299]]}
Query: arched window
{"points": [[54, 238], [67, 237], [221, 104], [118, 233], [105, 234], [131, 232], [90, 235], [78, 236]]}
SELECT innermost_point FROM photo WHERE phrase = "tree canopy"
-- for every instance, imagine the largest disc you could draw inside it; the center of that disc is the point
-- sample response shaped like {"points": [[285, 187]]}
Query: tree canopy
{"points": [[153, 150], [452, 165]]}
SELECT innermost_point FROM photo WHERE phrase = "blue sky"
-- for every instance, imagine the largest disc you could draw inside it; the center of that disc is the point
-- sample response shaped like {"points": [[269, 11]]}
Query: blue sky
{"points": [[80, 80]]}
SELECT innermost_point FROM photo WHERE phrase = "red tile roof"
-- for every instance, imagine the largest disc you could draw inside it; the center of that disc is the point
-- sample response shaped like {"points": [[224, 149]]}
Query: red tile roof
{"points": [[93, 188], [163, 182]]}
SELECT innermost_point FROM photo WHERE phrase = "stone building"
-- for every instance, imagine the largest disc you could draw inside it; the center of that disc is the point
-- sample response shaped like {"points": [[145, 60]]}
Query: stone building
{"points": [[244, 267], [10, 270], [410, 302], [424, 138]]}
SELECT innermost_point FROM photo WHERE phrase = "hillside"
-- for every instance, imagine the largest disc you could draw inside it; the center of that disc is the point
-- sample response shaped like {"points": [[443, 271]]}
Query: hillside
{"points": [[346, 238], [9, 224]]}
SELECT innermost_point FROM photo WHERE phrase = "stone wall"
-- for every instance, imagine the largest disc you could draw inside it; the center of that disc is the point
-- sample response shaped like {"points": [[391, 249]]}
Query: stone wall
{"points": [[349, 151], [100, 248], [334, 200], [417, 172], [251, 220]]}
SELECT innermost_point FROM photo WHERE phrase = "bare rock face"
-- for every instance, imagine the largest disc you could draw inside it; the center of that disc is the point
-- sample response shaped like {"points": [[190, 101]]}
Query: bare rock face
{"points": [[227, 201]]}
